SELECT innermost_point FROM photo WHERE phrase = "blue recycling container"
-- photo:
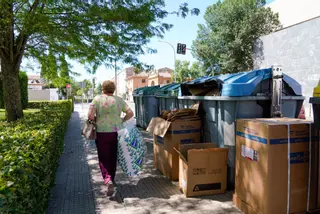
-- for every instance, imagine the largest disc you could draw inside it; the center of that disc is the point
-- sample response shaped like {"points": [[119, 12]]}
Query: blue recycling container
{"points": [[226, 98]]}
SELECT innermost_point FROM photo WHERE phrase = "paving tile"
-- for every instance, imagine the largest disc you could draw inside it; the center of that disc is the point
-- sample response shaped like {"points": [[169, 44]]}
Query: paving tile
{"points": [[73, 192], [80, 187]]}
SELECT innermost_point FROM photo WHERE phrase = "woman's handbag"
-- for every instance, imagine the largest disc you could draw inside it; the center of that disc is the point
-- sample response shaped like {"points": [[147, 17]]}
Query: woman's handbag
{"points": [[89, 130]]}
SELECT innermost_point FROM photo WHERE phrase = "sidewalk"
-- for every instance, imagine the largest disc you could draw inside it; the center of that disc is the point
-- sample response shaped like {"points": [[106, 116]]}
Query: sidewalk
{"points": [[149, 193]]}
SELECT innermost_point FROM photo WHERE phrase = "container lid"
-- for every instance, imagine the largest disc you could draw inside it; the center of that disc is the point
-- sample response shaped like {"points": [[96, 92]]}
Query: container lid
{"points": [[148, 90], [168, 90], [251, 83]]}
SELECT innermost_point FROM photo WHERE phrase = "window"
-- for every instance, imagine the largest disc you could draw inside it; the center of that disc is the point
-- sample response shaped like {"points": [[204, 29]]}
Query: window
{"points": [[168, 81], [143, 80]]}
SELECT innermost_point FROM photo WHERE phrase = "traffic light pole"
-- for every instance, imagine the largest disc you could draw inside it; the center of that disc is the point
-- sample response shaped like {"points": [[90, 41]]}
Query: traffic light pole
{"points": [[174, 57]]}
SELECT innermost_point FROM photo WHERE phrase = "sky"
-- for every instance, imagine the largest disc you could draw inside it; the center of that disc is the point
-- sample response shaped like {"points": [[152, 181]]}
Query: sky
{"points": [[184, 31]]}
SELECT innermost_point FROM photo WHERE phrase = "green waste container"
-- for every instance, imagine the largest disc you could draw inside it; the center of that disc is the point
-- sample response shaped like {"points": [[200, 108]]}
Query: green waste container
{"points": [[315, 101], [146, 105], [136, 100], [168, 97]]}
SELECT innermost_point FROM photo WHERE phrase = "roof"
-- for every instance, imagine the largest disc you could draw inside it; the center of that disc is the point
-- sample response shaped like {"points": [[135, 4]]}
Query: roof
{"points": [[165, 75], [142, 74], [165, 69], [35, 80]]}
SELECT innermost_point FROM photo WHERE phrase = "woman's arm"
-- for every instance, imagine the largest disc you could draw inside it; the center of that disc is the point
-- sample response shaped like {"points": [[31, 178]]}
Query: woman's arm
{"points": [[92, 112], [129, 115]]}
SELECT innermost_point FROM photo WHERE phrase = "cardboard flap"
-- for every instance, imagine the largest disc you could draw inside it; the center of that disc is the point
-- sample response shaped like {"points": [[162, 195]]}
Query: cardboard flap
{"points": [[196, 107], [217, 154], [183, 151], [181, 155], [158, 126]]}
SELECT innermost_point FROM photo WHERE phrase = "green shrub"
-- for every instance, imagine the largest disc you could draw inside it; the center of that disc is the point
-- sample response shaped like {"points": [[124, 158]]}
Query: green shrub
{"points": [[29, 152], [23, 79], [1, 93]]}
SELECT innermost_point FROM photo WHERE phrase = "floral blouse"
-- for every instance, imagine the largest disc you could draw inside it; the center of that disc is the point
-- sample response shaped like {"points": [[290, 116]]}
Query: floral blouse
{"points": [[107, 110]]}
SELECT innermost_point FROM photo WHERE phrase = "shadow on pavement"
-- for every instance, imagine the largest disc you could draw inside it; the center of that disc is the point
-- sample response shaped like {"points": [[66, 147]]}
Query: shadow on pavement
{"points": [[150, 192]]}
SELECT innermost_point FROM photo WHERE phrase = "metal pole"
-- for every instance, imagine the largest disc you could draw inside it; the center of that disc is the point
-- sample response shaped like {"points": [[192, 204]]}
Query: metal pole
{"points": [[174, 57]]}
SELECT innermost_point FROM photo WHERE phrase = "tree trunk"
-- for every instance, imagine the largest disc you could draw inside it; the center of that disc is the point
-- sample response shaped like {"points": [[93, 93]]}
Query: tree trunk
{"points": [[11, 90]]}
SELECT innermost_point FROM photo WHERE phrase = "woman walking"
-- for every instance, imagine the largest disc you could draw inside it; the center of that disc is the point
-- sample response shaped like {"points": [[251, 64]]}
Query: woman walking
{"points": [[106, 110]]}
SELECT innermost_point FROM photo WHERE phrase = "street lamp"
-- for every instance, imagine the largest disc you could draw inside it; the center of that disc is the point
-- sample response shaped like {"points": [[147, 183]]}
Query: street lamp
{"points": [[174, 57]]}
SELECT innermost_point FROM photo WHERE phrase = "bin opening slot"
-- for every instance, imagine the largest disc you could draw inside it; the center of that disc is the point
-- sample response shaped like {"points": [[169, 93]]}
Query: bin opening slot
{"points": [[209, 88]]}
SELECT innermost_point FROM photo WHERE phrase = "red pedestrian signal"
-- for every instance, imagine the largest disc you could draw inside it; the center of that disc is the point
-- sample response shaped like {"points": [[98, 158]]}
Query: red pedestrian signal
{"points": [[181, 48], [184, 49]]}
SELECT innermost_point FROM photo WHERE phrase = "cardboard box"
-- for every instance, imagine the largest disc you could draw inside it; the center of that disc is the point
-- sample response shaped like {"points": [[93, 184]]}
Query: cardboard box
{"points": [[168, 135], [203, 169], [262, 166]]}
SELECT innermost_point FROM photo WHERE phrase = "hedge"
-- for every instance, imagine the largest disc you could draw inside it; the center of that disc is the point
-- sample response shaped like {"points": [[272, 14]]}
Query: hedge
{"points": [[23, 79], [29, 152]]}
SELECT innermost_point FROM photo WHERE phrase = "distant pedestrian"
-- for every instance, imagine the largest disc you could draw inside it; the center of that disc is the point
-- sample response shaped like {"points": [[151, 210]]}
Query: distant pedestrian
{"points": [[106, 110]]}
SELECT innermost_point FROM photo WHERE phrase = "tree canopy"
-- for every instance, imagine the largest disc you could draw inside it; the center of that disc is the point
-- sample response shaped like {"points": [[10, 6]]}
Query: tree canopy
{"points": [[225, 43], [92, 32], [186, 72]]}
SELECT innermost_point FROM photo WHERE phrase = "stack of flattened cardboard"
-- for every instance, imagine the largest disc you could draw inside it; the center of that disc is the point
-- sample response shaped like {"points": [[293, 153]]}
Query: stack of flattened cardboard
{"points": [[262, 166], [184, 114], [168, 135]]}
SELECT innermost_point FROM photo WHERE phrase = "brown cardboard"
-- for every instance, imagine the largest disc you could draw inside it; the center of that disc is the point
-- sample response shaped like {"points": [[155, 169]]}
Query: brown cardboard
{"points": [[262, 165], [202, 169], [168, 135], [243, 206]]}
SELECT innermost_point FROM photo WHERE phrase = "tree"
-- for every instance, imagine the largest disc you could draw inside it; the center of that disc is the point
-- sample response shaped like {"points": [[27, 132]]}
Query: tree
{"points": [[88, 85], [185, 72], [92, 32], [98, 89], [226, 42]]}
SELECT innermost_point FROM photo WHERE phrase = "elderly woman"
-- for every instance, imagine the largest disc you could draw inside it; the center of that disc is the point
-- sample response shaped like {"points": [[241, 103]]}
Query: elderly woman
{"points": [[106, 110]]}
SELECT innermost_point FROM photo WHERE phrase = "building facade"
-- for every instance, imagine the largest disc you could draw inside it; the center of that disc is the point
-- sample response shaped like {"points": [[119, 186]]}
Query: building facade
{"points": [[121, 81], [35, 82], [292, 12], [297, 50], [156, 77]]}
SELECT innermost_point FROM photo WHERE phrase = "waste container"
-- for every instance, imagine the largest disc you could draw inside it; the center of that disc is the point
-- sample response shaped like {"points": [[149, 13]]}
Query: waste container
{"points": [[226, 98], [146, 105], [168, 97], [315, 101], [136, 100]]}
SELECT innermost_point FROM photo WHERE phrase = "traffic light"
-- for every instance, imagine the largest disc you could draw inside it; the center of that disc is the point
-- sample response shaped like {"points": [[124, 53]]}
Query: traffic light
{"points": [[184, 49], [181, 48]]}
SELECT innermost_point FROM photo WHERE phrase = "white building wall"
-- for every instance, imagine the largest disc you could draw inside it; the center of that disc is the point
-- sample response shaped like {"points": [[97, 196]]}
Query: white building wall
{"points": [[295, 11], [48, 94], [121, 83]]}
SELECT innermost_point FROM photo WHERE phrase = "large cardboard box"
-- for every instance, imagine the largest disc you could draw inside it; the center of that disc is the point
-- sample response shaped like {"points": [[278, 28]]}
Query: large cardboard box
{"points": [[168, 135], [203, 169], [262, 166]]}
